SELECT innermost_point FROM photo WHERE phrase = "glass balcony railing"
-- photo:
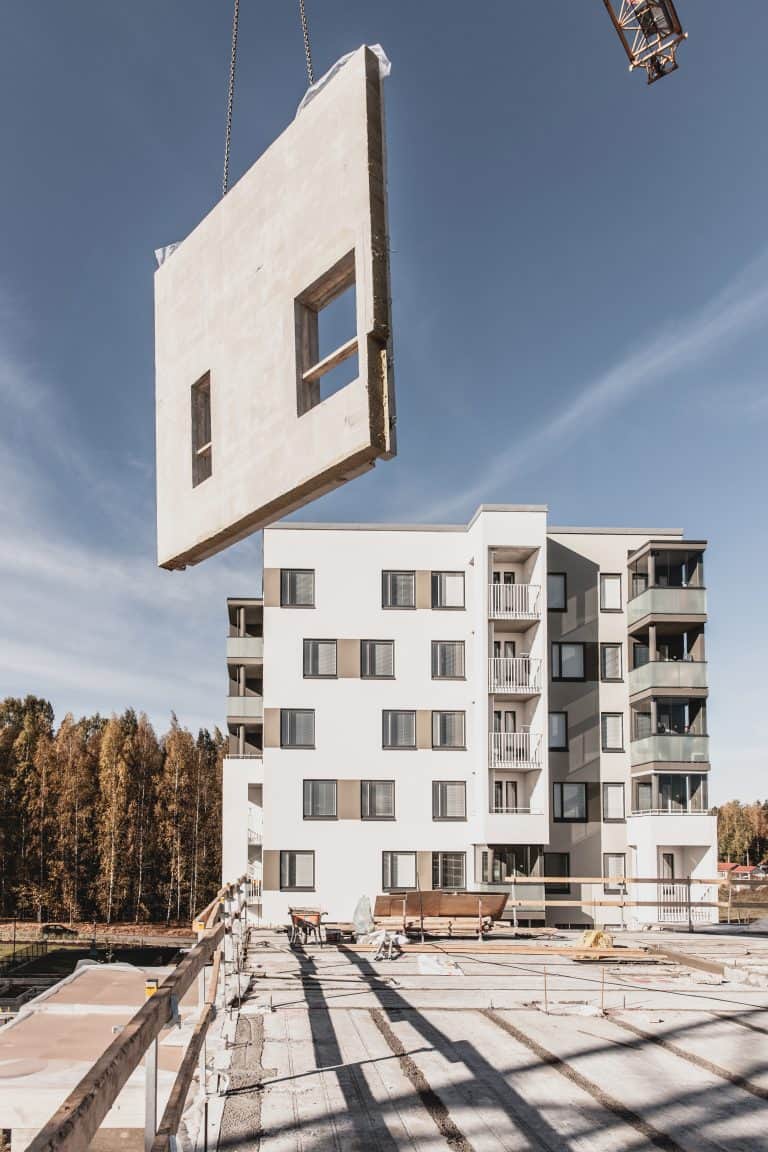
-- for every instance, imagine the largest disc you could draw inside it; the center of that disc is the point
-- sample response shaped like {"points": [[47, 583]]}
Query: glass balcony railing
{"points": [[682, 674], [245, 707], [670, 748], [667, 602]]}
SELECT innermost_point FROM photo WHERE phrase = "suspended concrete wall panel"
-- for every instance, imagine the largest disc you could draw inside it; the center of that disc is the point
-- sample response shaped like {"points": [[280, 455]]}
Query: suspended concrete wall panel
{"points": [[245, 433]]}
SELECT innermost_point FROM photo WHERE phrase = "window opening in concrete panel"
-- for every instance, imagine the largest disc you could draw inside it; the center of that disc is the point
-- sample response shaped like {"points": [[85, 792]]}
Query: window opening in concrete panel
{"points": [[202, 448], [326, 335]]}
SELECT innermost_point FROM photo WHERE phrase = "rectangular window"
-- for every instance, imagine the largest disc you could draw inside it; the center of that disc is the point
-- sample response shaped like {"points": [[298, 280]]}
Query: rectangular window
{"points": [[556, 592], [447, 659], [398, 729], [319, 658], [398, 870], [319, 799], [610, 592], [202, 448], [558, 731], [557, 864], [613, 802], [377, 799], [297, 871], [447, 729], [449, 800], [570, 803], [448, 870], [505, 796], [297, 588], [567, 661], [644, 797], [377, 659], [297, 727], [612, 731], [610, 662], [447, 589], [614, 868], [398, 589]]}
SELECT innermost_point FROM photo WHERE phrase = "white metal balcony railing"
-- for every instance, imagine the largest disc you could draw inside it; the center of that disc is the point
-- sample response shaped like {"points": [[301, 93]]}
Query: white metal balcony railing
{"points": [[514, 601], [501, 810], [514, 674], [671, 812], [676, 904], [682, 674], [514, 748]]}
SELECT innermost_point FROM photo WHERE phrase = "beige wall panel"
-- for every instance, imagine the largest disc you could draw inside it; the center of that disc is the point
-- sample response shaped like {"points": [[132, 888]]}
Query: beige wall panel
{"points": [[423, 589], [271, 876], [348, 659], [271, 727], [237, 301], [271, 588], [423, 728], [349, 799], [424, 865]]}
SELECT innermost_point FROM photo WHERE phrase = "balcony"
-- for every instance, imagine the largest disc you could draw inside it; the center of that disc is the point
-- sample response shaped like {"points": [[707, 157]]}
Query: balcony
{"points": [[515, 750], [670, 748], [685, 675], [514, 601], [514, 675], [245, 708], [245, 649], [255, 824], [667, 602]]}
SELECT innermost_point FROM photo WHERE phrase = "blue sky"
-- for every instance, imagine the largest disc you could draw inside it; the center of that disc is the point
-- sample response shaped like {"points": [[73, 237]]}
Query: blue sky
{"points": [[580, 290]]}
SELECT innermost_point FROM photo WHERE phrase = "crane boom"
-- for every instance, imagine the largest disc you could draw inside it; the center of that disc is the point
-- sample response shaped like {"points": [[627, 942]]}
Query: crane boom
{"points": [[650, 31]]}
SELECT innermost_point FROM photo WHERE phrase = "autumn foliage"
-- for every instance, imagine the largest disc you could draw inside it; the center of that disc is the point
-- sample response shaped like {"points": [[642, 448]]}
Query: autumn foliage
{"points": [[102, 819]]}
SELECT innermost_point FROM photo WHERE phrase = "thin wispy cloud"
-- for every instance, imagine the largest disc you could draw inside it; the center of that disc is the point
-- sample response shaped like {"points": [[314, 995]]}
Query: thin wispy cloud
{"points": [[85, 618], [738, 308]]}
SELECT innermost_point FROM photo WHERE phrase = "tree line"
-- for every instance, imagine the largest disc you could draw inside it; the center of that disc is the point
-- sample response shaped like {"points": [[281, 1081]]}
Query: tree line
{"points": [[102, 819], [742, 832]]}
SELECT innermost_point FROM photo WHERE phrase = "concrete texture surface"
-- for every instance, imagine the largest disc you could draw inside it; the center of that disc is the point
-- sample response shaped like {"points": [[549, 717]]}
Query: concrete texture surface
{"points": [[236, 300], [335, 1051]]}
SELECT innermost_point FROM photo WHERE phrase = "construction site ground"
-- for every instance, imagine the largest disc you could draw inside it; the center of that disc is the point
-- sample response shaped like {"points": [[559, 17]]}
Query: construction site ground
{"points": [[505, 1050]]}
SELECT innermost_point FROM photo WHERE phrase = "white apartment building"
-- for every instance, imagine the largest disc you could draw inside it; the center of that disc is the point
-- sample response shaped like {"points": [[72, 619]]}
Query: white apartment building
{"points": [[461, 706]]}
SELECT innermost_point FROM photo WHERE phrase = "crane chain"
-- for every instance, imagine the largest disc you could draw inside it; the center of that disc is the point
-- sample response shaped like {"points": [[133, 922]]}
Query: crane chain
{"points": [[230, 98], [307, 46]]}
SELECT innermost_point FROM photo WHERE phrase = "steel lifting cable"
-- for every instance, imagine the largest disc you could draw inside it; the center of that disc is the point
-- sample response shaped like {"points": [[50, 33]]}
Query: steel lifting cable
{"points": [[230, 97], [307, 46]]}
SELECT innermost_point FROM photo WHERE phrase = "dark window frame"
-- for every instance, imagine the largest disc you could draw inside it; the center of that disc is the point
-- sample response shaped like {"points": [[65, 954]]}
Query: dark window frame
{"points": [[319, 780], [612, 679], [614, 819], [610, 576], [565, 592], [319, 675], [314, 730], [573, 644], [557, 889], [374, 675], [284, 602], [398, 572], [437, 676], [432, 585], [447, 712], [297, 887], [603, 746], [400, 852], [439, 853], [202, 430], [558, 747], [379, 780], [618, 889], [570, 819], [400, 747], [448, 819]]}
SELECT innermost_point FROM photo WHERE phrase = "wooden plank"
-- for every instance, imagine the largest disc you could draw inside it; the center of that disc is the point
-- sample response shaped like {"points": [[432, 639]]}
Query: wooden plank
{"points": [[328, 362], [76, 1121]]}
